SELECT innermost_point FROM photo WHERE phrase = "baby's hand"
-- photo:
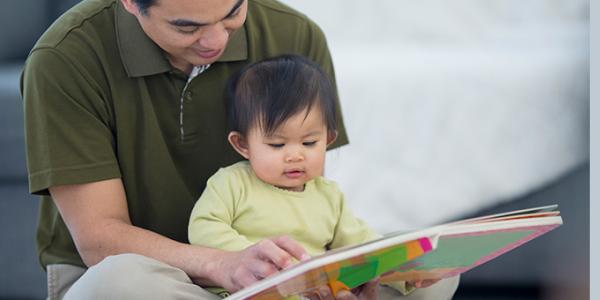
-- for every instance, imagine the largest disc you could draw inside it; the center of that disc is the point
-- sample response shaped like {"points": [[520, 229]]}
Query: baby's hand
{"points": [[423, 283]]}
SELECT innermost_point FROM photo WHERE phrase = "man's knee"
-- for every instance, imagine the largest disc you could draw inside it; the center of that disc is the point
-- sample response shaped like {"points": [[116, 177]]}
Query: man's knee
{"points": [[121, 264], [125, 276], [442, 290]]}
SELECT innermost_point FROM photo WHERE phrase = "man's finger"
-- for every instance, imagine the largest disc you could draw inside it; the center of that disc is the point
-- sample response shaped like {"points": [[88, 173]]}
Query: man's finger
{"points": [[427, 283], [345, 295], [369, 289], [268, 250], [261, 269], [326, 293], [292, 247], [242, 278]]}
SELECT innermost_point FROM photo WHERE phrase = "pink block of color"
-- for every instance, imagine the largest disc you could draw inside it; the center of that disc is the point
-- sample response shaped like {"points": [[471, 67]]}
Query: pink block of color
{"points": [[425, 244]]}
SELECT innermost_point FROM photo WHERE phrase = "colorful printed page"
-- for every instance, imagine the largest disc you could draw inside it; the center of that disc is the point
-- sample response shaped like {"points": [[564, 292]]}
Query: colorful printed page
{"points": [[459, 252], [340, 274], [433, 253]]}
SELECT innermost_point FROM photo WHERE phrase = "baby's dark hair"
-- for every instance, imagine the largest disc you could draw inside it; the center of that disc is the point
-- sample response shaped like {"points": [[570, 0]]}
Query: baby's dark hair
{"points": [[269, 92]]}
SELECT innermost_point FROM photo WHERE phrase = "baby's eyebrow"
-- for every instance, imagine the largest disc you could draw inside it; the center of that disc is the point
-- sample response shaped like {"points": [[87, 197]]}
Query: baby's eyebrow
{"points": [[279, 136], [275, 136], [316, 132]]}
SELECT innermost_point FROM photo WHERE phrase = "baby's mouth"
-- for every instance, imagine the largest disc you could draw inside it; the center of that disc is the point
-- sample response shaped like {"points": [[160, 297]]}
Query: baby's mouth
{"points": [[293, 173]]}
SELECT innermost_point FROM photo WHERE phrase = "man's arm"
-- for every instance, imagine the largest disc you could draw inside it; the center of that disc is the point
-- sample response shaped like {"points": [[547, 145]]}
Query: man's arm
{"points": [[98, 220]]}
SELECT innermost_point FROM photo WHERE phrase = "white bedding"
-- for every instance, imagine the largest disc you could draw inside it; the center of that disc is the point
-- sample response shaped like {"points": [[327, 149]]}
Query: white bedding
{"points": [[453, 106]]}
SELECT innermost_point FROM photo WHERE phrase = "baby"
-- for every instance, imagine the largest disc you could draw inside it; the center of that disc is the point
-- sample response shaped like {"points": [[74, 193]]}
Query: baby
{"points": [[282, 113]]}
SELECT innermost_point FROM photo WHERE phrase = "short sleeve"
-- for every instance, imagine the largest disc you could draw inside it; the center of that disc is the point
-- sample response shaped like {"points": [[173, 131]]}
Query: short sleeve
{"points": [[67, 123], [349, 229], [213, 214]]}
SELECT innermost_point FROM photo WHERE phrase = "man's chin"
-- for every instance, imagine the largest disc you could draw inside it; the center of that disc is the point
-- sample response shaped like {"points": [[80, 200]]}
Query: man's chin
{"points": [[202, 62], [200, 59]]}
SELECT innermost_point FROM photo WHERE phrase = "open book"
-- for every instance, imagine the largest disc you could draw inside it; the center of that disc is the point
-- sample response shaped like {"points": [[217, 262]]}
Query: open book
{"points": [[433, 253]]}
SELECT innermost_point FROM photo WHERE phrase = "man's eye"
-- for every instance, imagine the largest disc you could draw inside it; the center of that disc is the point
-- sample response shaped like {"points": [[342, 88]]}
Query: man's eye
{"points": [[187, 30], [276, 145], [309, 143]]}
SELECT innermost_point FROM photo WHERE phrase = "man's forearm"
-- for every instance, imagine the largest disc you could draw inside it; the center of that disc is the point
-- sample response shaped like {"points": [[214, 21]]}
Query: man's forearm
{"points": [[116, 237], [97, 216]]}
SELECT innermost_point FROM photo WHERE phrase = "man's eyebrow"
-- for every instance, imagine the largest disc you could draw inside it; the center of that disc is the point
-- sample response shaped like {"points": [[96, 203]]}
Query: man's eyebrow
{"points": [[235, 7], [186, 23]]}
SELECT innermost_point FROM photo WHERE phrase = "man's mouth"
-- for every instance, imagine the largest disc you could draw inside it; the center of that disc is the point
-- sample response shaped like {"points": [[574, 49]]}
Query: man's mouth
{"points": [[208, 54]]}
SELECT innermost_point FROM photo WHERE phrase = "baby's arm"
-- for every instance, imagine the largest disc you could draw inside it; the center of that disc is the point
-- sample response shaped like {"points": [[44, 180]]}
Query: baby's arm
{"points": [[212, 216], [349, 229]]}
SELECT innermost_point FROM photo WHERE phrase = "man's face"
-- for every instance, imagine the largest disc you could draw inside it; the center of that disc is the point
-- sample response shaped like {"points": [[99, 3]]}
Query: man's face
{"points": [[191, 32]]}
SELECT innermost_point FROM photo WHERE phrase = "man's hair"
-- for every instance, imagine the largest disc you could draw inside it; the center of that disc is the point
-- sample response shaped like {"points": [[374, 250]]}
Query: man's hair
{"points": [[143, 5], [269, 92]]}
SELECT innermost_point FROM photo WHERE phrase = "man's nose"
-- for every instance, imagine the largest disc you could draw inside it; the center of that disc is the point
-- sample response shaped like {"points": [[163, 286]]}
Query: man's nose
{"points": [[214, 37]]}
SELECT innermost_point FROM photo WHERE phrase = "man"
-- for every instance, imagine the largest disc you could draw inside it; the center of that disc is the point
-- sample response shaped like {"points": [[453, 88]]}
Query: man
{"points": [[125, 121]]}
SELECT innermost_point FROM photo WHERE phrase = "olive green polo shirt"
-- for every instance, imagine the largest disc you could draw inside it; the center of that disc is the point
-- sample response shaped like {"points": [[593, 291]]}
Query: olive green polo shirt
{"points": [[101, 101]]}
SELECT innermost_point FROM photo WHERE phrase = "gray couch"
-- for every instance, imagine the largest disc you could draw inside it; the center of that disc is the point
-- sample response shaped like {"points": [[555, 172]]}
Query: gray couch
{"points": [[21, 24]]}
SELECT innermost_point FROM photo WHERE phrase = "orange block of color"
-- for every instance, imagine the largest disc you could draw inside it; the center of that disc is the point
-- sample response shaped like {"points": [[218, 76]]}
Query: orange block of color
{"points": [[413, 250], [337, 286]]}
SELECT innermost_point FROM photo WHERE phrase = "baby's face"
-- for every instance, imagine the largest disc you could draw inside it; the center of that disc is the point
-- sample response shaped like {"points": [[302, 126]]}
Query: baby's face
{"points": [[293, 154]]}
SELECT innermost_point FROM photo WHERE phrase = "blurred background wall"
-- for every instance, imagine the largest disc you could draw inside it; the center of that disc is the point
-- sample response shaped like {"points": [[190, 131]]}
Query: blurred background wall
{"points": [[462, 108], [454, 109]]}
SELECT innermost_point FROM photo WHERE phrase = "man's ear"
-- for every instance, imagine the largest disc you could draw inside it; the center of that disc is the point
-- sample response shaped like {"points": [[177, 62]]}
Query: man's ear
{"points": [[331, 136], [238, 142], [131, 7]]}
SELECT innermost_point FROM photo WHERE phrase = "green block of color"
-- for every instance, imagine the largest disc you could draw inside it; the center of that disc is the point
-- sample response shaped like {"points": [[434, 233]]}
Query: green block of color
{"points": [[353, 276], [389, 259]]}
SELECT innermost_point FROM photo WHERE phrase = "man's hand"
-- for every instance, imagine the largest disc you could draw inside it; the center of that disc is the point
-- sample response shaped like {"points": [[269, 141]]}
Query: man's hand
{"points": [[367, 291], [424, 283], [237, 270]]}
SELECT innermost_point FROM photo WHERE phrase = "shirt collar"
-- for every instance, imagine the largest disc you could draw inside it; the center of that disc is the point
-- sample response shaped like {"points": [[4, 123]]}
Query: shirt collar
{"points": [[142, 57]]}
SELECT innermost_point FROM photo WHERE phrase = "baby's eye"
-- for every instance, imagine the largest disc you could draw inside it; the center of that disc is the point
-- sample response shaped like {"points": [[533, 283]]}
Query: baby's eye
{"points": [[276, 145], [309, 143]]}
